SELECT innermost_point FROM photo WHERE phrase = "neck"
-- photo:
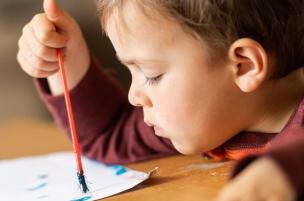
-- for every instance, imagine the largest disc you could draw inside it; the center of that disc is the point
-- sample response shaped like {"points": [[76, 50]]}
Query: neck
{"points": [[275, 102]]}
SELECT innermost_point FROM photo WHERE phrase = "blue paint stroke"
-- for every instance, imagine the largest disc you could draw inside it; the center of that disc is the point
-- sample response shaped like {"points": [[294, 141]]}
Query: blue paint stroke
{"points": [[37, 187], [119, 169], [42, 176], [83, 198]]}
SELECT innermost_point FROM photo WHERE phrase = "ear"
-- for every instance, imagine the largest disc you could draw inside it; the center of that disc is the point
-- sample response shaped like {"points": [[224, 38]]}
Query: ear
{"points": [[249, 64]]}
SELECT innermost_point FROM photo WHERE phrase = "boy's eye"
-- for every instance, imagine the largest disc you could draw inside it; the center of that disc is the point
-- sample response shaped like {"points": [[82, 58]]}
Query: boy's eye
{"points": [[152, 80]]}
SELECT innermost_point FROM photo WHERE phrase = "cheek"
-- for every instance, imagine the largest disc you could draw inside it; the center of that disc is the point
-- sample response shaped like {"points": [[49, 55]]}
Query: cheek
{"points": [[179, 110], [188, 112]]}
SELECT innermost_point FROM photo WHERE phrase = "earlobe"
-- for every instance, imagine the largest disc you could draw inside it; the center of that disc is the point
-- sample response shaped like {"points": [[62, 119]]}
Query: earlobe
{"points": [[249, 64]]}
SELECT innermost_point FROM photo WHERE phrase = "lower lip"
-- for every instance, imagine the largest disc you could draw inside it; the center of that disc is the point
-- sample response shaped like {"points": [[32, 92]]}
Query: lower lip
{"points": [[158, 131]]}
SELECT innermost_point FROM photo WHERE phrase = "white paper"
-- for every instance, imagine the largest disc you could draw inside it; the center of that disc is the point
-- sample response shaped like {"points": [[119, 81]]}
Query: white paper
{"points": [[53, 178]]}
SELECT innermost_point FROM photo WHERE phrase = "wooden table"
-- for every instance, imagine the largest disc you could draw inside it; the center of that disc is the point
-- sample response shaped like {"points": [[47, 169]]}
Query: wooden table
{"points": [[185, 178]]}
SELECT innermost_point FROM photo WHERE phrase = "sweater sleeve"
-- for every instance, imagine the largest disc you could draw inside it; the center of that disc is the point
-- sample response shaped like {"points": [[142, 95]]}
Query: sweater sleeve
{"points": [[289, 156], [109, 129]]}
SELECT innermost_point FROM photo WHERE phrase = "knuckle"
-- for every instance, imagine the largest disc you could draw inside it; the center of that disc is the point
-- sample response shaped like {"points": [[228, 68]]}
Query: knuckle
{"points": [[44, 37], [25, 29], [37, 16]]}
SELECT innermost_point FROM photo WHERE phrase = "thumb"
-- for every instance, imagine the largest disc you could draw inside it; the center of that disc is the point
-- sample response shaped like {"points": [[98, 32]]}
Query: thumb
{"points": [[57, 15]]}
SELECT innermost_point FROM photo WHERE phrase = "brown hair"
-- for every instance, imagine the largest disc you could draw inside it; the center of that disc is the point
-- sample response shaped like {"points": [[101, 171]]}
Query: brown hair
{"points": [[276, 24]]}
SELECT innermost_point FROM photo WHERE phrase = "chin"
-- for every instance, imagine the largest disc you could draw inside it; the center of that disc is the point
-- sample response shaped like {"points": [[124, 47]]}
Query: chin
{"points": [[186, 149]]}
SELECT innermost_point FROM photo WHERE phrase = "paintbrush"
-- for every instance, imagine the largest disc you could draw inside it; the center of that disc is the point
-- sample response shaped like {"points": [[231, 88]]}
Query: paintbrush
{"points": [[76, 147]]}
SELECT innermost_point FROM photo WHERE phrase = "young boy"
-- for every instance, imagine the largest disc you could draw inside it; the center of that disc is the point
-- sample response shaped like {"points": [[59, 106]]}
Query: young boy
{"points": [[224, 78]]}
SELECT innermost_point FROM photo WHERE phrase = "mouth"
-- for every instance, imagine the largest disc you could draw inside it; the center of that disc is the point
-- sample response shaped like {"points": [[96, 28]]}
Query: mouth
{"points": [[157, 130]]}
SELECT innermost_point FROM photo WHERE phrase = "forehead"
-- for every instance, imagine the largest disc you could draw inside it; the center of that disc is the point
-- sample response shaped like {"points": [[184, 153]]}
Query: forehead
{"points": [[134, 27], [133, 17]]}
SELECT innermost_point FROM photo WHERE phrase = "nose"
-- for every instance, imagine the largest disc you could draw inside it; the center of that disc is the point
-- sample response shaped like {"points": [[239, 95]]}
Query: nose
{"points": [[138, 97]]}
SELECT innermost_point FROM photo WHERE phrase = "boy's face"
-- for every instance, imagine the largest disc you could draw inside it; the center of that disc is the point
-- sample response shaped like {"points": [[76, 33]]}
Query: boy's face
{"points": [[189, 98]]}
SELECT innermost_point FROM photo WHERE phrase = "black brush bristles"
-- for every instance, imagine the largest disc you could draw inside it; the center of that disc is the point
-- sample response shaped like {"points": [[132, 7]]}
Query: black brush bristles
{"points": [[82, 182]]}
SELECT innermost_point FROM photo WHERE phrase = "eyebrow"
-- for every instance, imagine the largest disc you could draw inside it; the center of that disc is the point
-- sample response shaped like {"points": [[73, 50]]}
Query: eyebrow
{"points": [[134, 61]]}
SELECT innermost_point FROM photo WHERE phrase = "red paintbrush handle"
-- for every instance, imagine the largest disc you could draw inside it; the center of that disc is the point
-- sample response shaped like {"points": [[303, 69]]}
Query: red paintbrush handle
{"points": [[76, 147]]}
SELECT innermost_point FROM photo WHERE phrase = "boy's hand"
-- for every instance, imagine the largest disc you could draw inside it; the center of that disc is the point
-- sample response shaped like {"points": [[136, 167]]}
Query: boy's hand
{"points": [[37, 47], [263, 180]]}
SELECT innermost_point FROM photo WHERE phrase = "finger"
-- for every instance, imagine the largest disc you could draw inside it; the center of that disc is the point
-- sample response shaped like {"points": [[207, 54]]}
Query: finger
{"points": [[57, 15], [35, 62], [42, 65], [41, 51], [46, 33], [34, 72]]}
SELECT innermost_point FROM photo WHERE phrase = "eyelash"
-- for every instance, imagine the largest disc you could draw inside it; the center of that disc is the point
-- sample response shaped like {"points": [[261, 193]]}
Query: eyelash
{"points": [[153, 80]]}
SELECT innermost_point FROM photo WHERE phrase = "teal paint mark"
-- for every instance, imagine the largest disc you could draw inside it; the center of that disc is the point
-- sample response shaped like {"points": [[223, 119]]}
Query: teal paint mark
{"points": [[83, 198], [119, 169], [37, 187]]}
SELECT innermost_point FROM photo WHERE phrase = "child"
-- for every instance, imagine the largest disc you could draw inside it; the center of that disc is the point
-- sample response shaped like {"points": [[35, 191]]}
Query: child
{"points": [[224, 78]]}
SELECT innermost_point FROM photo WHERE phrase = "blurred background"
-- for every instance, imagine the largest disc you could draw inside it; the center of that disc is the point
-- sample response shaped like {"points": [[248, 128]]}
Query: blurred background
{"points": [[18, 98]]}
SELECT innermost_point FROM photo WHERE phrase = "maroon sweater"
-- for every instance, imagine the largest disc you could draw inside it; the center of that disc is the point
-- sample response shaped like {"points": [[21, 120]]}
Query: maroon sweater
{"points": [[112, 131]]}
